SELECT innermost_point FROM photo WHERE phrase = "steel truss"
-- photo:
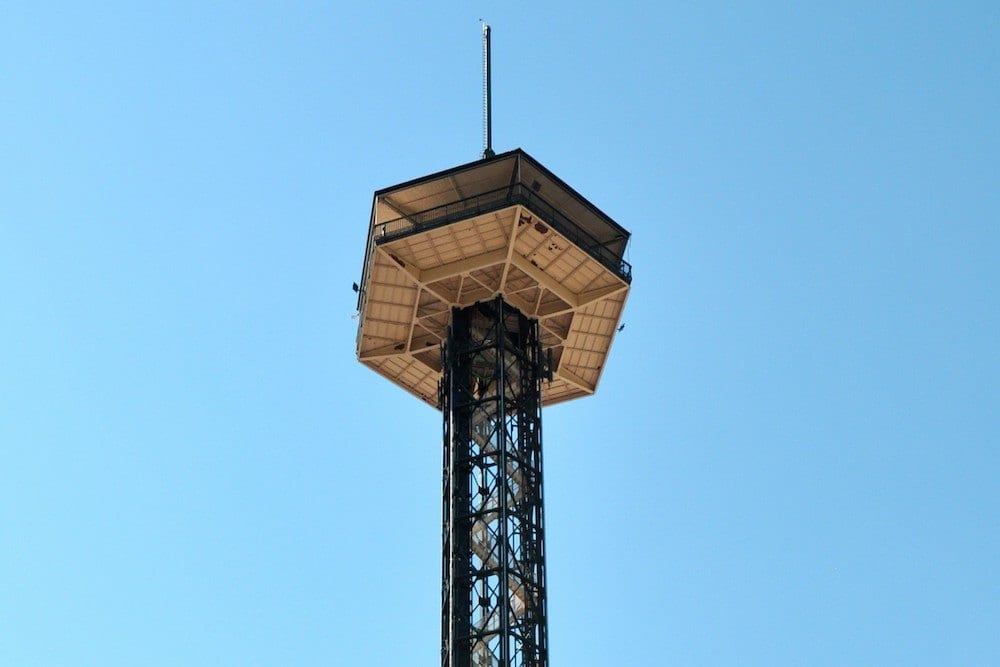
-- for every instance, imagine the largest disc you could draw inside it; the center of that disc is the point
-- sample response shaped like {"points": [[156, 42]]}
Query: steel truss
{"points": [[493, 591]]}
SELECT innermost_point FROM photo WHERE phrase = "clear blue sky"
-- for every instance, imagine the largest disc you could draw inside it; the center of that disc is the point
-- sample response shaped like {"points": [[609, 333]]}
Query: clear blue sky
{"points": [[793, 456]]}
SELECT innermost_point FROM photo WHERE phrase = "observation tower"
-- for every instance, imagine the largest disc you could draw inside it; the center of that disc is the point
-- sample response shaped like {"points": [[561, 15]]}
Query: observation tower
{"points": [[489, 290]]}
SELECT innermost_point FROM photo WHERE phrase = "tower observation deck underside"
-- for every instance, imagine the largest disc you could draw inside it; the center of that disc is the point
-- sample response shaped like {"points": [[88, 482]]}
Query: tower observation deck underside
{"points": [[505, 227]]}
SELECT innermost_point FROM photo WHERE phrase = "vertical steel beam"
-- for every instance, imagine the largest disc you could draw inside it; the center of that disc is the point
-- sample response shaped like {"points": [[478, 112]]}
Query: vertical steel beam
{"points": [[493, 568]]}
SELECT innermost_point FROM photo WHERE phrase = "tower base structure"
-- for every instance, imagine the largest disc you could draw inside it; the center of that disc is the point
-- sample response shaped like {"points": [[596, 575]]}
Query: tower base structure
{"points": [[493, 593]]}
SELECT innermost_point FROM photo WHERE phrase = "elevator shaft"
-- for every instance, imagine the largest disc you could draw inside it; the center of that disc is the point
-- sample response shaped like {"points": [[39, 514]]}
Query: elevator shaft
{"points": [[493, 591]]}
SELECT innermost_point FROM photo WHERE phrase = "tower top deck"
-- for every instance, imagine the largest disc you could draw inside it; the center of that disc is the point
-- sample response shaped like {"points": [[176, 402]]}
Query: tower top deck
{"points": [[506, 226]]}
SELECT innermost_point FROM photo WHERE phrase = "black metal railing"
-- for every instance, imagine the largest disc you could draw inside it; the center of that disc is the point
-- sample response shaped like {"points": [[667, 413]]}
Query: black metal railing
{"points": [[494, 200]]}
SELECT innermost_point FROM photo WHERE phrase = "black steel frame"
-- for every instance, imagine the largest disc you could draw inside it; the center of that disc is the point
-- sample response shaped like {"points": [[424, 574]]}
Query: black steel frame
{"points": [[493, 593]]}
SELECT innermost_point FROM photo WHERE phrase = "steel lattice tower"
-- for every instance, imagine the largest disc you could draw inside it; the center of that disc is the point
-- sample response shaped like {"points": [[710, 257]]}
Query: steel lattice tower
{"points": [[493, 593], [488, 290]]}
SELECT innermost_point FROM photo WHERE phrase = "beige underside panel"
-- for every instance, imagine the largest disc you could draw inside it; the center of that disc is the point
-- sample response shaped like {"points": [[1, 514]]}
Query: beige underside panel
{"points": [[414, 282]]}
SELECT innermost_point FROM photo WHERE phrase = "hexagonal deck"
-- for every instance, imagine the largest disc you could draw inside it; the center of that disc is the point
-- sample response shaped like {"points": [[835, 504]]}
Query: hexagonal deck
{"points": [[503, 226]]}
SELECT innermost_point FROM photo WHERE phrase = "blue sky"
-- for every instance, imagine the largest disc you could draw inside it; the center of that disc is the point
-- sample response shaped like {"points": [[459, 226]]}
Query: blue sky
{"points": [[793, 455]]}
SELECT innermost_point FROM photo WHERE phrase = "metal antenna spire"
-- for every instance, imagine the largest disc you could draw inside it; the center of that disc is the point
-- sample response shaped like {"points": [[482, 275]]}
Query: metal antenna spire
{"points": [[487, 96]]}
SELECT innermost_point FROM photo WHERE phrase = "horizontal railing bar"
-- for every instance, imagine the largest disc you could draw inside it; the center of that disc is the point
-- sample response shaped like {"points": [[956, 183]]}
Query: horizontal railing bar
{"points": [[493, 200]]}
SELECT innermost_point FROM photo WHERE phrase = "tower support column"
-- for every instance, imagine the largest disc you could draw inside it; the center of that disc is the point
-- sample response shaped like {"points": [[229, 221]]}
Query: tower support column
{"points": [[493, 567]]}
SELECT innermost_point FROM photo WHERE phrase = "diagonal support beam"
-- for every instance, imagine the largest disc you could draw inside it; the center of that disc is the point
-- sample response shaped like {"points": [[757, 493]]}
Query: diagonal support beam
{"points": [[574, 379], [586, 299], [425, 278], [544, 279], [461, 266], [600, 293], [511, 241], [415, 275]]}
